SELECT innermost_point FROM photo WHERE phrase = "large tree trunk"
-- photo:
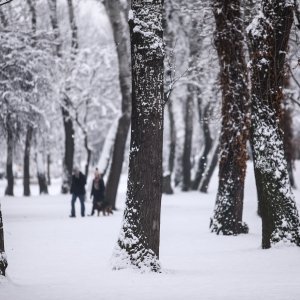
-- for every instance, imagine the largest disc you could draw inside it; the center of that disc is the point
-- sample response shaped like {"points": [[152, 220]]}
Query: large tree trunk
{"points": [[9, 164], [188, 136], [121, 36], [204, 121], [138, 243], [228, 211], [3, 259], [269, 35], [26, 174]]}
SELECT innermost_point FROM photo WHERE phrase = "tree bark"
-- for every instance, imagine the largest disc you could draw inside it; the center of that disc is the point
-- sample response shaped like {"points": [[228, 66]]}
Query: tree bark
{"points": [[41, 174], [3, 259], [65, 106], [203, 187], [26, 174], [207, 145], [227, 218], [188, 136], [138, 243], [29, 132], [269, 35], [9, 191], [48, 169], [121, 37], [167, 179]]}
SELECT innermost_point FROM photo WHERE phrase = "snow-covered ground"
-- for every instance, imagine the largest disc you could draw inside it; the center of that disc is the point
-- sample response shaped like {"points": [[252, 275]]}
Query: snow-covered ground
{"points": [[54, 257]]}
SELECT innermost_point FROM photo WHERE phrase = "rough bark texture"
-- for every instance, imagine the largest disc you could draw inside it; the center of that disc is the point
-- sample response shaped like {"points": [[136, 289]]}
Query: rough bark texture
{"points": [[286, 124], [121, 37], [9, 164], [138, 243], [188, 136], [204, 122], [3, 260], [26, 173], [269, 35], [228, 211]]}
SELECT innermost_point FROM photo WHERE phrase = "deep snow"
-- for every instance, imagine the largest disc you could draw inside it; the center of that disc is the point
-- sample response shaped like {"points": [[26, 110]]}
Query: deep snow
{"points": [[53, 257]]}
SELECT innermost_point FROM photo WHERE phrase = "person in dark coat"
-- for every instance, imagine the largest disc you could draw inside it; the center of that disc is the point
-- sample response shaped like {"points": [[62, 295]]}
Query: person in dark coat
{"points": [[98, 191], [78, 190]]}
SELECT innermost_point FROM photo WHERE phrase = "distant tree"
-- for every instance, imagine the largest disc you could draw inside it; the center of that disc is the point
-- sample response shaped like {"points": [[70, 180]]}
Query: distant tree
{"points": [[117, 14], [229, 41], [29, 132], [269, 35], [138, 243], [3, 259]]}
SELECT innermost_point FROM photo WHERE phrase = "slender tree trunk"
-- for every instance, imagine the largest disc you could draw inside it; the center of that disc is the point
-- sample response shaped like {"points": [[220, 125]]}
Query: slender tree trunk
{"points": [[48, 169], [65, 107], [69, 150], [207, 145], [121, 36], [29, 133], [41, 174], [228, 211], [3, 259], [26, 174], [138, 243], [203, 187], [187, 148], [9, 164], [167, 186], [269, 35]]}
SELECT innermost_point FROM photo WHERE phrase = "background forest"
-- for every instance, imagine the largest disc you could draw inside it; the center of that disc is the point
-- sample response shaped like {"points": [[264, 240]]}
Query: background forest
{"points": [[227, 80]]}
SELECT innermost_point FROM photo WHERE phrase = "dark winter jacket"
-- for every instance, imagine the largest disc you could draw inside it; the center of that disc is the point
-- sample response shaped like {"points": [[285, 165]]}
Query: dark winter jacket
{"points": [[78, 183], [98, 194]]}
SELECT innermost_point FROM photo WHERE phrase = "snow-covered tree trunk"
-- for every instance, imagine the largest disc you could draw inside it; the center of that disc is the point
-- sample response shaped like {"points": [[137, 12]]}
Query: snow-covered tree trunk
{"points": [[66, 105], [26, 173], [227, 218], [9, 164], [269, 34], [208, 142], [138, 243], [3, 259], [117, 15], [188, 137]]}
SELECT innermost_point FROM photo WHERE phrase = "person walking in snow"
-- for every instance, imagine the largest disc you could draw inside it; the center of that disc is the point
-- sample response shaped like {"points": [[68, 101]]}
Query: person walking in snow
{"points": [[78, 190], [98, 191]]}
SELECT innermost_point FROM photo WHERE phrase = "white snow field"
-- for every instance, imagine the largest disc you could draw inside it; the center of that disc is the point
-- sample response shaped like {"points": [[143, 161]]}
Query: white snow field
{"points": [[53, 257]]}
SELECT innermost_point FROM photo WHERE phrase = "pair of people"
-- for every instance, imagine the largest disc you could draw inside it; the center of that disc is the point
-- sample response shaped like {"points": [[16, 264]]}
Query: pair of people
{"points": [[78, 191]]}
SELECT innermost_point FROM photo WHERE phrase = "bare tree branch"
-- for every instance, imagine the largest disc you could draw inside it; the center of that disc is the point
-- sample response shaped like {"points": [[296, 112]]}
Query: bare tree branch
{"points": [[5, 2]]}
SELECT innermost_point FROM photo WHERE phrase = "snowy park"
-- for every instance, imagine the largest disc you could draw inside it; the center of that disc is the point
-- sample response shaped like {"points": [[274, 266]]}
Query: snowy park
{"points": [[52, 256], [150, 149]]}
